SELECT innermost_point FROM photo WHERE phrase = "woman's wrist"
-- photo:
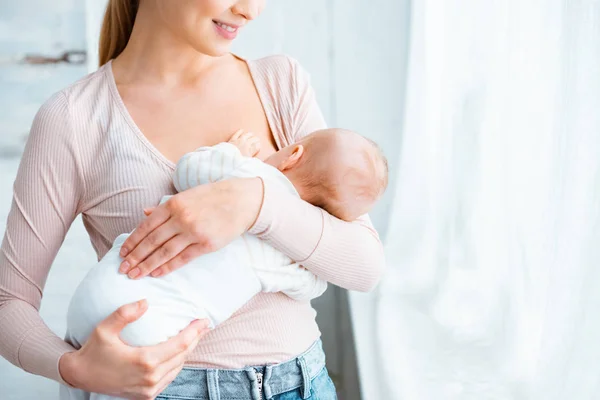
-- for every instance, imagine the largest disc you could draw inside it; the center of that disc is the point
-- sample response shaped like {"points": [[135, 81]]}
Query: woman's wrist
{"points": [[68, 369]]}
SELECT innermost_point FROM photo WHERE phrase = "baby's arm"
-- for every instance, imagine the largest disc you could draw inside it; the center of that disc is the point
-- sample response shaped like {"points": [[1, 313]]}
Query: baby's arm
{"points": [[278, 273], [206, 165], [212, 163], [236, 159], [295, 281]]}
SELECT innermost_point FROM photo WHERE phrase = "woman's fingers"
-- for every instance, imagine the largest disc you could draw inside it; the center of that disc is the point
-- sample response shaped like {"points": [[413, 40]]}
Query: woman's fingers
{"points": [[181, 343], [154, 240], [163, 254], [153, 390], [166, 370], [158, 217], [123, 315], [154, 381], [190, 252], [167, 379], [179, 359]]}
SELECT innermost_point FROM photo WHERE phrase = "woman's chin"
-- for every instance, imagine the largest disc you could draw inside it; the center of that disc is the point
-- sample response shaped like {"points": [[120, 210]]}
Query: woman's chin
{"points": [[221, 52], [214, 49], [209, 42]]}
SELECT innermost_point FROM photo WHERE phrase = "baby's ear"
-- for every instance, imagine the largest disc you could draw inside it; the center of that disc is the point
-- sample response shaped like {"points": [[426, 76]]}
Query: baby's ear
{"points": [[292, 160], [297, 153]]}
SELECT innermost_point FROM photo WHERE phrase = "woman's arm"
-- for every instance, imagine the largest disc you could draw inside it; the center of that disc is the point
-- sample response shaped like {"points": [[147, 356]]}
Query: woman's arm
{"points": [[348, 254], [46, 194], [207, 217]]}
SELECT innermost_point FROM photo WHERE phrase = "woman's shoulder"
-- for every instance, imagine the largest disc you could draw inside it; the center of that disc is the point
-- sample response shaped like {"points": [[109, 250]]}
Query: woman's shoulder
{"points": [[72, 110], [280, 75], [282, 63], [80, 97], [279, 71]]}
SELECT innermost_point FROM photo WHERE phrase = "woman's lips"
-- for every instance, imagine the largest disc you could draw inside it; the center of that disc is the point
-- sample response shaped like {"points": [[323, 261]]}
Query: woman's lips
{"points": [[226, 30]]}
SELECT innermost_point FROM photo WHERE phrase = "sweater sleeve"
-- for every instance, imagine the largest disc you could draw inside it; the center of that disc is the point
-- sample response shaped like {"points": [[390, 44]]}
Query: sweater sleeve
{"points": [[45, 201], [347, 254]]}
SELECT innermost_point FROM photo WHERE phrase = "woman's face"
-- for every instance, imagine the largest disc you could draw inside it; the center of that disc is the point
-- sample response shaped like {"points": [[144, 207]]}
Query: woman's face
{"points": [[209, 26]]}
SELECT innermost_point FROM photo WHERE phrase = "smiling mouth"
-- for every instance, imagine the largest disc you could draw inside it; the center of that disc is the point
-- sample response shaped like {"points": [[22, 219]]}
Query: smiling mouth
{"points": [[228, 28]]}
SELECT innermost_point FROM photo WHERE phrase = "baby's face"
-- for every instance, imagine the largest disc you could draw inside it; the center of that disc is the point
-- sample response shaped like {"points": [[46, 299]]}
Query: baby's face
{"points": [[335, 169]]}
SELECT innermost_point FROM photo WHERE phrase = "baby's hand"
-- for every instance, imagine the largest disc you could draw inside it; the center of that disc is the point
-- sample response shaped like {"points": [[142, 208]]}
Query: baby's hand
{"points": [[248, 144]]}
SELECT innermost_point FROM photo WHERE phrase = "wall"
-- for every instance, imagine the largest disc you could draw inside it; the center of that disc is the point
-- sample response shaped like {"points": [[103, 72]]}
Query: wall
{"points": [[38, 27], [355, 54]]}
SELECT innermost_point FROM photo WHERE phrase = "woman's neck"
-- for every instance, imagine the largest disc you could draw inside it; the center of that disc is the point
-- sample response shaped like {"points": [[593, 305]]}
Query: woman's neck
{"points": [[154, 54]]}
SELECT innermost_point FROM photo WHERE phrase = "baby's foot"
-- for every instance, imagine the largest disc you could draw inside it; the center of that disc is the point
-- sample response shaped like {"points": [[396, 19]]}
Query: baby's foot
{"points": [[248, 144]]}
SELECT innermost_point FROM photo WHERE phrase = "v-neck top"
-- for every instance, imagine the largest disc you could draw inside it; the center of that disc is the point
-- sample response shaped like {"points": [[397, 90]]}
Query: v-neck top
{"points": [[85, 155]]}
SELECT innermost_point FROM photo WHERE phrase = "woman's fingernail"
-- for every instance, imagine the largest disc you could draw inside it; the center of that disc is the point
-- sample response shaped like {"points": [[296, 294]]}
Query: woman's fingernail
{"points": [[123, 251], [155, 273], [124, 267], [134, 273]]}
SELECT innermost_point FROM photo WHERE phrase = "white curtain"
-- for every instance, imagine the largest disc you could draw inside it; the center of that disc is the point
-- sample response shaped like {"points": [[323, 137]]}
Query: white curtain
{"points": [[493, 287]]}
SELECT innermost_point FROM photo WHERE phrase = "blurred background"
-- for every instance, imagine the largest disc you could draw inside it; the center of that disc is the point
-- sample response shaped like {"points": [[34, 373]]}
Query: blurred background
{"points": [[488, 113]]}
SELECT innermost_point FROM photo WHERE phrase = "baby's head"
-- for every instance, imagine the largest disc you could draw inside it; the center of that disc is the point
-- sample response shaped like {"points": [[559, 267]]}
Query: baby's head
{"points": [[335, 169]]}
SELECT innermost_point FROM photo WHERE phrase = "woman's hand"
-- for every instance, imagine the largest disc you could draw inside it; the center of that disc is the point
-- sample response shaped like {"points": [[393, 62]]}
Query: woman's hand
{"points": [[107, 365], [191, 223]]}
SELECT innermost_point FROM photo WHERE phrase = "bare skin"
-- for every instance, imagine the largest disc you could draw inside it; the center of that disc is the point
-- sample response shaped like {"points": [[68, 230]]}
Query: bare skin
{"points": [[190, 98], [183, 89], [247, 142]]}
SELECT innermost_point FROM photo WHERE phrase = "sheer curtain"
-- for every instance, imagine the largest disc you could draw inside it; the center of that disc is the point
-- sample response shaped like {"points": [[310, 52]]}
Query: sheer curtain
{"points": [[493, 287]]}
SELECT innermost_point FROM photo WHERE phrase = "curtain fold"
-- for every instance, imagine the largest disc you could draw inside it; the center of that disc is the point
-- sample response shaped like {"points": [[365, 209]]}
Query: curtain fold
{"points": [[493, 287]]}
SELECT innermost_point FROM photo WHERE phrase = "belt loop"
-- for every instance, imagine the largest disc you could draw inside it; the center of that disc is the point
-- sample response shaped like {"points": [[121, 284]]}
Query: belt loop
{"points": [[266, 382], [212, 382], [253, 378], [305, 377]]}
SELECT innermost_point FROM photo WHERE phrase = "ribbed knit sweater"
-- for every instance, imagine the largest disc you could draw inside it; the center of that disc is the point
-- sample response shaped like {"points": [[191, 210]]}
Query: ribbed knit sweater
{"points": [[85, 155]]}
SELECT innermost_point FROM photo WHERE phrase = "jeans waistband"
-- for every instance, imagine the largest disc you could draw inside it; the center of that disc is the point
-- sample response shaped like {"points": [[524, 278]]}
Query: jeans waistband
{"points": [[250, 383]]}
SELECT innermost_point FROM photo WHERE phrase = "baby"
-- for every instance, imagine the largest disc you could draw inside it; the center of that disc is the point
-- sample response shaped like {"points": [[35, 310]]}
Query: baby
{"points": [[335, 169]]}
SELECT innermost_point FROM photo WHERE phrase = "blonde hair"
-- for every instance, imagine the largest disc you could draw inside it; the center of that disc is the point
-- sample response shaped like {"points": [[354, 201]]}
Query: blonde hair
{"points": [[116, 28]]}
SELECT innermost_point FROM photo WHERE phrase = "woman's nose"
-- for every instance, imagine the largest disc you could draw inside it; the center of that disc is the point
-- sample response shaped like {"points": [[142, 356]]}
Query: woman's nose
{"points": [[249, 9]]}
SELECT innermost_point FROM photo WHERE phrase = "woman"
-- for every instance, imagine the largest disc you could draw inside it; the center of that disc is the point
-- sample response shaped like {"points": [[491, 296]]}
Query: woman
{"points": [[106, 148]]}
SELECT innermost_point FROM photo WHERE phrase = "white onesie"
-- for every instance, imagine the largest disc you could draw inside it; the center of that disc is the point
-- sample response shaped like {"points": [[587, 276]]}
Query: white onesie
{"points": [[211, 286]]}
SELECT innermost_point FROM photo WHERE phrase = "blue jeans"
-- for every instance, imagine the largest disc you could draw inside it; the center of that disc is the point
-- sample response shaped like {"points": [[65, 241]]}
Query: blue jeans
{"points": [[303, 377]]}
